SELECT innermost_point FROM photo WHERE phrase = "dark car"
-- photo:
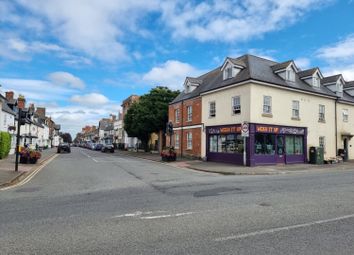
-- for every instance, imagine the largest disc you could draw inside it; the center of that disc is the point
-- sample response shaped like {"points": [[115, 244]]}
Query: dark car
{"points": [[98, 147], [108, 148], [64, 147]]}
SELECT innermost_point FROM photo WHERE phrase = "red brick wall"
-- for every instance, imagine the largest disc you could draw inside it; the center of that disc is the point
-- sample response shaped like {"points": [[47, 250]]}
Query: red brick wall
{"points": [[196, 104]]}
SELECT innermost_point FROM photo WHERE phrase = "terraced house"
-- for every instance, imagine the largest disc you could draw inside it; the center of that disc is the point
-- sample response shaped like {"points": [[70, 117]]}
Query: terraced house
{"points": [[288, 111]]}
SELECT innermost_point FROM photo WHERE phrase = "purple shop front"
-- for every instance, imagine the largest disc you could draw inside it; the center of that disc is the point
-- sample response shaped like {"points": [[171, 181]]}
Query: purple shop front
{"points": [[266, 144]]}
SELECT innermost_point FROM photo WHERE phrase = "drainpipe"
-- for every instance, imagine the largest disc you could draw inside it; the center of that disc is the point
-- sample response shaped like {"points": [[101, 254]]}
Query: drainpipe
{"points": [[335, 123], [182, 130]]}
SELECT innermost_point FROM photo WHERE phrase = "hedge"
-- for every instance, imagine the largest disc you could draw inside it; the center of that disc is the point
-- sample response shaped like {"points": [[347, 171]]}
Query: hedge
{"points": [[5, 144]]}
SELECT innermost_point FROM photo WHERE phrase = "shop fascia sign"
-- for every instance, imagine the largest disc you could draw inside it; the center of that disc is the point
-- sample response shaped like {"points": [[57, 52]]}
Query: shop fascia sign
{"points": [[225, 130], [280, 130]]}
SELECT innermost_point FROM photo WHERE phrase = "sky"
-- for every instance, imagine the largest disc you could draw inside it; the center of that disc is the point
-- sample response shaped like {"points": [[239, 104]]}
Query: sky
{"points": [[81, 58]]}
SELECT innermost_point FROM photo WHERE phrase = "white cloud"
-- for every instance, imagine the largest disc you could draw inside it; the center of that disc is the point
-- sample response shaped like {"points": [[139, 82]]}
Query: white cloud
{"points": [[232, 21], [38, 90], [92, 99], [303, 63], [342, 50], [172, 74], [339, 58], [73, 117], [95, 27], [66, 79]]}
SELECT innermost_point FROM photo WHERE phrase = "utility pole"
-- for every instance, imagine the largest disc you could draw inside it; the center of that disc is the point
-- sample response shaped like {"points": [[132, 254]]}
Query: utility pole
{"points": [[19, 119]]}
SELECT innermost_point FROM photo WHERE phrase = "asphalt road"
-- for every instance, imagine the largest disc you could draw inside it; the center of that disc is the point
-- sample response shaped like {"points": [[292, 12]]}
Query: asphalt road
{"points": [[88, 202]]}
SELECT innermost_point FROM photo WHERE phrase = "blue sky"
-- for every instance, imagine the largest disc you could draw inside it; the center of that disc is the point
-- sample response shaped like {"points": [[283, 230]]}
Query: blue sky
{"points": [[81, 58]]}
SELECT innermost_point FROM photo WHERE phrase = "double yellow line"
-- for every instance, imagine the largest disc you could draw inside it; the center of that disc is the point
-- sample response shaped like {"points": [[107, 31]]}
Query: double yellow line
{"points": [[31, 175]]}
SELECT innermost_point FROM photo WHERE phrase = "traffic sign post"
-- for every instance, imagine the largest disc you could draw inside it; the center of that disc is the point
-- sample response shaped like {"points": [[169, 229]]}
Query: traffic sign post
{"points": [[245, 132]]}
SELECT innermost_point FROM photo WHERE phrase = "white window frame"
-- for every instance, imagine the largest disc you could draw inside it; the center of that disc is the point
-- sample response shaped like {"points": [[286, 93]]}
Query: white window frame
{"points": [[345, 114], [290, 75], [236, 105], [177, 113], [212, 112], [228, 73], [267, 104], [316, 81], [322, 142], [321, 112], [176, 141], [296, 109], [189, 113], [189, 140]]}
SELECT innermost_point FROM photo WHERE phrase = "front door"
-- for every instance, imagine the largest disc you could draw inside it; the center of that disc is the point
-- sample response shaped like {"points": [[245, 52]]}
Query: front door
{"points": [[345, 148], [280, 151]]}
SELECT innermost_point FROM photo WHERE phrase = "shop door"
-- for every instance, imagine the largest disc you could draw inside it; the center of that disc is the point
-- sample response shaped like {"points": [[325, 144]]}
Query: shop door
{"points": [[280, 152]]}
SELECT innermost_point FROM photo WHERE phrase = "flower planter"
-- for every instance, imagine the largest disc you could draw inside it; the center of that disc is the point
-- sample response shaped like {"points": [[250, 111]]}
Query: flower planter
{"points": [[23, 160], [33, 160], [168, 158]]}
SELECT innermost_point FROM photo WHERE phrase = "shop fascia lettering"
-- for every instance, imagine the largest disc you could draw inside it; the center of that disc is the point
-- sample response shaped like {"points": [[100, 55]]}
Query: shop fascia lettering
{"points": [[225, 130], [280, 130]]}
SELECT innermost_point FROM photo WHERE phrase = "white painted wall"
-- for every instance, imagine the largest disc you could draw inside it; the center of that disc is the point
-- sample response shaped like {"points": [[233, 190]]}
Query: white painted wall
{"points": [[252, 111]]}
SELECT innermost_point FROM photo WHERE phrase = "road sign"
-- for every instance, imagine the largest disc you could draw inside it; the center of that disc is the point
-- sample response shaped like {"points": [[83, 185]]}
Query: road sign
{"points": [[245, 129]]}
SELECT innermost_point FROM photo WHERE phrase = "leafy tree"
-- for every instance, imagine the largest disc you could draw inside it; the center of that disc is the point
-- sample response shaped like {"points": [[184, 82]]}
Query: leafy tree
{"points": [[149, 114], [66, 138], [5, 144]]}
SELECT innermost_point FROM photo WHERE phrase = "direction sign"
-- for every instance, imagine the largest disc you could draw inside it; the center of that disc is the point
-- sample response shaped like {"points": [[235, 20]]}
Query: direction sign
{"points": [[245, 129]]}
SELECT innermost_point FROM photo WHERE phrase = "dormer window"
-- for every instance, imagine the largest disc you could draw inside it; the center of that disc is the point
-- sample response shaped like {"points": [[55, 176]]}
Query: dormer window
{"points": [[316, 81], [228, 73], [290, 75], [231, 68]]}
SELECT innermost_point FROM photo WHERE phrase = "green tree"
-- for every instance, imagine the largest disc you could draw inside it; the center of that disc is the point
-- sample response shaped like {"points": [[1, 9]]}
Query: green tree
{"points": [[5, 144], [149, 114], [66, 138]]}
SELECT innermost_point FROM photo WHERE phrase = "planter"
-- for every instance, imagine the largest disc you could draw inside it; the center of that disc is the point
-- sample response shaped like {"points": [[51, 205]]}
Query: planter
{"points": [[168, 158], [23, 160], [33, 160]]}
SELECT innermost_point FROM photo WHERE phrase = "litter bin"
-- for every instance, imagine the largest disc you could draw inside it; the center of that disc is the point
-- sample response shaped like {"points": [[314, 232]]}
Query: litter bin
{"points": [[316, 155]]}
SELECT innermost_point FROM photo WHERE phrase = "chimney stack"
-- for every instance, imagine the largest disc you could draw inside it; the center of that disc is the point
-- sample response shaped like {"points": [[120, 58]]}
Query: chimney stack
{"points": [[9, 95], [21, 102], [41, 112]]}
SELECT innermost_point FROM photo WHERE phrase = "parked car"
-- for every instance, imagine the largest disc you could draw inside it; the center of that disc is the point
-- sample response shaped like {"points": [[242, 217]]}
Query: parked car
{"points": [[63, 147], [108, 148], [98, 147]]}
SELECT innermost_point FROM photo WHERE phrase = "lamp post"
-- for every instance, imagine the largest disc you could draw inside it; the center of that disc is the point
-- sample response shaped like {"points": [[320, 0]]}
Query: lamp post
{"points": [[19, 120]]}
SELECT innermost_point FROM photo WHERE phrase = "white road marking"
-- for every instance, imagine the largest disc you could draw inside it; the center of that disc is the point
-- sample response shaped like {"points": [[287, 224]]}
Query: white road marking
{"points": [[94, 160], [85, 154], [142, 216], [31, 175], [165, 216], [286, 228], [136, 214]]}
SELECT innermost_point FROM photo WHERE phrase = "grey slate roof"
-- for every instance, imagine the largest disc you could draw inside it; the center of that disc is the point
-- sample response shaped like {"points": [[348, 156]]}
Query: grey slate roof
{"points": [[307, 72], [7, 109], [349, 84], [256, 68], [330, 79], [281, 66], [194, 80]]}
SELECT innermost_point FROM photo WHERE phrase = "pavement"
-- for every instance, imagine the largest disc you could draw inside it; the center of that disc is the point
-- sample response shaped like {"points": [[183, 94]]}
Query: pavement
{"points": [[7, 167], [89, 202], [230, 169]]}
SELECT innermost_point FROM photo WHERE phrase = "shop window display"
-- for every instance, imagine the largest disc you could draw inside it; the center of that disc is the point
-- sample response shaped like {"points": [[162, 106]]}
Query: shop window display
{"points": [[265, 144], [231, 143]]}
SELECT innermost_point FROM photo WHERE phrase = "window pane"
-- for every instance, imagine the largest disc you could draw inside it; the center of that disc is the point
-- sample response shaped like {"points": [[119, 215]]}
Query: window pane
{"points": [[298, 145], [269, 144], [289, 141], [258, 144], [213, 143]]}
